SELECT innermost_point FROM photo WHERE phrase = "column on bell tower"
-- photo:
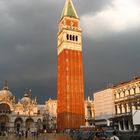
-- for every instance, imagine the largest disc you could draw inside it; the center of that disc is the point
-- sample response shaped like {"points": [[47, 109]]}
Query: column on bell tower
{"points": [[70, 83]]}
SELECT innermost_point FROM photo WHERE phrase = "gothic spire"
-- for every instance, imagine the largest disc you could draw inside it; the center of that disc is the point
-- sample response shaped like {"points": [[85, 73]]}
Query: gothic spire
{"points": [[69, 10]]}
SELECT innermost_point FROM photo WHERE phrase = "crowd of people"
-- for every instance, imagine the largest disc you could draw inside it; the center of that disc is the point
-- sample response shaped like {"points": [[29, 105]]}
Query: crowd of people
{"points": [[20, 134], [26, 133], [34, 134], [113, 137]]}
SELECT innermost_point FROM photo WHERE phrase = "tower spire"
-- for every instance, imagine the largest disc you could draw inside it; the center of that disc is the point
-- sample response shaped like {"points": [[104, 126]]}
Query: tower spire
{"points": [[69, 10], [6, 85]]}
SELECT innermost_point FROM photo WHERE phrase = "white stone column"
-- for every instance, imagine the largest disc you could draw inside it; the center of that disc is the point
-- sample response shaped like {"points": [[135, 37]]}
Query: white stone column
{"points": [[24, 125], [119, 125], [11, 126], [129, 125], [123, 108], [124, 127], [118, 109], [11, 123], [127, 108], [135, 128]]}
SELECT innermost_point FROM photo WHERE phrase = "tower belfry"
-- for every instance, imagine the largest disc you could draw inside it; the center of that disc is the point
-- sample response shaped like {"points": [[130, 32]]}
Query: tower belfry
{"points": [[70, 83]]}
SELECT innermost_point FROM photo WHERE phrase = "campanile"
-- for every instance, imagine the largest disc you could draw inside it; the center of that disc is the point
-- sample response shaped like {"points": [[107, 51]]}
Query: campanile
{"points": [[70, 83]]}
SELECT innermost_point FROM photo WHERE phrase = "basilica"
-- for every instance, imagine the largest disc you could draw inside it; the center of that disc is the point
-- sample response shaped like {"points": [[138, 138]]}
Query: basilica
{"points": [[16, 115], [27, 114], [70, 111]]}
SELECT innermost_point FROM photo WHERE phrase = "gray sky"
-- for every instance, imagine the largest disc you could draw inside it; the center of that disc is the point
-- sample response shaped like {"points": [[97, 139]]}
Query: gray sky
{"points": [[28, 44]]}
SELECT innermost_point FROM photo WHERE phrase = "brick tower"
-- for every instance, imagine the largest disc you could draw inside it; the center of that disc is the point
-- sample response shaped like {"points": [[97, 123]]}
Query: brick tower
{"points": [[70, 84]]}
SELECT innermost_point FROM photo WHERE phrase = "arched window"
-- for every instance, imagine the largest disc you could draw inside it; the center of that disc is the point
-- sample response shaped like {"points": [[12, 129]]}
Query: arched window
{"points": [[73, 38], [29, 123], [67, 36], [70, 37], [76, 38], [116, 109]]}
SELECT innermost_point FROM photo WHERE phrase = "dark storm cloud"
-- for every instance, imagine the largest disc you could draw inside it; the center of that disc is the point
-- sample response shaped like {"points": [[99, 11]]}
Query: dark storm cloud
{"points": [[28, 48], [111, 60], [92, 6], [28, 45]]}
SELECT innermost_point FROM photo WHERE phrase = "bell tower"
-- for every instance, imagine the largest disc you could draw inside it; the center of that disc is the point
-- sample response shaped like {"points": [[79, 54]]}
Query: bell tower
{"points": [[70, 83]]}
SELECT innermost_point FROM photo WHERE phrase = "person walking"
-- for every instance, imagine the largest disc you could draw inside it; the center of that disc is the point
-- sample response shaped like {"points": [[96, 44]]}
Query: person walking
{"points": [[114, 137], [26, 133]]}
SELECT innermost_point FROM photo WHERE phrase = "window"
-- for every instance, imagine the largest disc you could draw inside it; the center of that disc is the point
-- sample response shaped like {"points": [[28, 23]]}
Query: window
{"points": [[67, 36], [76, 38], [116, 109], [73, 37], [70, 37]]}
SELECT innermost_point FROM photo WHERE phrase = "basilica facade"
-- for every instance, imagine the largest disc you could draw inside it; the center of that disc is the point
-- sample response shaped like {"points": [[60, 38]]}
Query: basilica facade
{"points": [[27, 114], [18, 115]]}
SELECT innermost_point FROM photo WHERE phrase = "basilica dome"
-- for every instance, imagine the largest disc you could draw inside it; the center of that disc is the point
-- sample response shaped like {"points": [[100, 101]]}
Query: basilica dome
{"points": [[26, 99], [5, 92]]}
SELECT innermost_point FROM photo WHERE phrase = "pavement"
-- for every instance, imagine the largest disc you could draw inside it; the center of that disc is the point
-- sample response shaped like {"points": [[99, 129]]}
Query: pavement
{"points": [[40, 137]]}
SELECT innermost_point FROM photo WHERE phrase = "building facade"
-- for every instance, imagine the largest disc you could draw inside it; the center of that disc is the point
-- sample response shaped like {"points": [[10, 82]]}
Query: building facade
{"points": [[118, 105], [21, 115], [27, 114], [127, 100], [104, 107], [51, 111], [70, 85]]}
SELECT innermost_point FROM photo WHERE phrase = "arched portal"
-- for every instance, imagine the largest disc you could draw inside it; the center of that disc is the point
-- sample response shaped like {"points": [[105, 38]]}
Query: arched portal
{"points": [[4, 122], [29, 123], [5, 108], [18, 124], [39, 123]]}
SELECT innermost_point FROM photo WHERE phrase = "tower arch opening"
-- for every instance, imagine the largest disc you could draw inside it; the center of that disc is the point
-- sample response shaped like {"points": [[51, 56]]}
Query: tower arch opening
{"points": [[4, 121]]}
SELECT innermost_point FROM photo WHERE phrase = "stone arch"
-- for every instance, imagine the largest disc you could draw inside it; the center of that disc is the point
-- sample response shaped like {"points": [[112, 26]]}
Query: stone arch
{"points": [[29, 123], [39, 120], [18, 123], [4, 122], [5, 108], [39, 124]]}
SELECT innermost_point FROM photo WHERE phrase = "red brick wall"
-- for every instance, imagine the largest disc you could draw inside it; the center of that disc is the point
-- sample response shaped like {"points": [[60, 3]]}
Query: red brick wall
{"points": [[70, 92]]}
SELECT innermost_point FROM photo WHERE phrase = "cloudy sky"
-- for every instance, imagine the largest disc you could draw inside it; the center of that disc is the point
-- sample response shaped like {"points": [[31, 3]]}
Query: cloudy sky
{"points": [[28, 44]]}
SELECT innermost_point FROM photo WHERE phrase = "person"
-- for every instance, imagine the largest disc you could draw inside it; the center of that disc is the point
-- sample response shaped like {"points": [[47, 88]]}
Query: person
{"points": [[96, 137], [26, 133], [6, 134], [19, 134], [54, 133], [114, 137]]}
